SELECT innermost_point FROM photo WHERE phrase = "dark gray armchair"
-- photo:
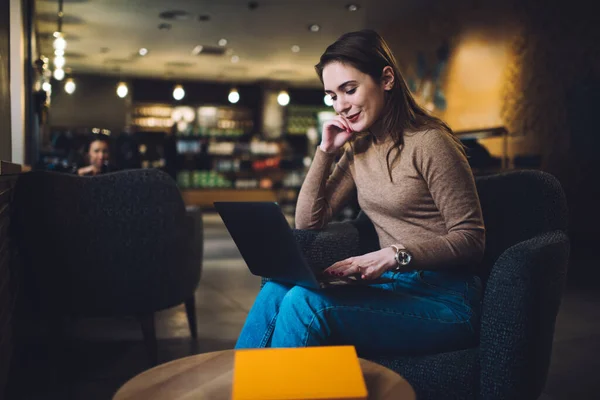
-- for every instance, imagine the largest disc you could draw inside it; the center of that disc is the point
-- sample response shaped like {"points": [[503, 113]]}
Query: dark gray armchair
{"points": [[523, 272], [112, 245]]}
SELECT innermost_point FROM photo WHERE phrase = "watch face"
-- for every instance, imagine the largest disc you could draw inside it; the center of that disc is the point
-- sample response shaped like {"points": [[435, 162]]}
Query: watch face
{"points": [[404, 257]]}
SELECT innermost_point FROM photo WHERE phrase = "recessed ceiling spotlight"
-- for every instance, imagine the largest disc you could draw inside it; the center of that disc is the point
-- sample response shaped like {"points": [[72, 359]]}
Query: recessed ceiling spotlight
{"points": [[104, 50], [222, 42], [143, 51], [174, 15], [235, 59], [203, 18], [295, 48], [70, 86], [164, 26], [314, 28], [352, 7], [197, 50]]}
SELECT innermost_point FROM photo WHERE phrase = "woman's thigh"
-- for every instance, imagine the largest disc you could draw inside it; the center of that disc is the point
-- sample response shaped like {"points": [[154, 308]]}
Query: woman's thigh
{"points": [[406, 317]]}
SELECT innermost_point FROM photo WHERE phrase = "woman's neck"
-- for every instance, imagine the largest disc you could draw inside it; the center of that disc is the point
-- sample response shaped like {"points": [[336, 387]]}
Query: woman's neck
{"points": [[376, 131]]}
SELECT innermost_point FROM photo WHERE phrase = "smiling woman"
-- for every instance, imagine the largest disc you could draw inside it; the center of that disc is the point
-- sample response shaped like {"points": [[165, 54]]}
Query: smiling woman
{"points": [[423, 205]]}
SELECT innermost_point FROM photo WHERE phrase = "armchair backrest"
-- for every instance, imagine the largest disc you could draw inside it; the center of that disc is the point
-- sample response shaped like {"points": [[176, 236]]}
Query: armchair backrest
{"points": [[101, 244], [517, 206]]}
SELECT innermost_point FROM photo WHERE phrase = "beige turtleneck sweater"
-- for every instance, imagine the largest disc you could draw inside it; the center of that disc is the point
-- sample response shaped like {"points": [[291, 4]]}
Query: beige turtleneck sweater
{"points": [[431, 208]]}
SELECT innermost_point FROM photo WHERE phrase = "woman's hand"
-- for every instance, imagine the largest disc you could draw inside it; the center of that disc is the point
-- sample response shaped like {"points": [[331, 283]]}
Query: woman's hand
{"points": [[336, 132], [369, 266], [89, 170]]}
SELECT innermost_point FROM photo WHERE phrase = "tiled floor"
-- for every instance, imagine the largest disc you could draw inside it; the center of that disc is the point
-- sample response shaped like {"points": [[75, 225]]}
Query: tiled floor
{"points": [[102, 354]]}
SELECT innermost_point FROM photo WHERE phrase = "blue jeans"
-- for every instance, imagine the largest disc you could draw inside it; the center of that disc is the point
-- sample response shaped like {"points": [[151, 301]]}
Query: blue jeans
{"points": [[420, 312]]}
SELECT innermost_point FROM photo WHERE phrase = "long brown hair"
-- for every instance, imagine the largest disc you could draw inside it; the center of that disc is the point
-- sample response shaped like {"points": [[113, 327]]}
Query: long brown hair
{"points": [[367, 52]]}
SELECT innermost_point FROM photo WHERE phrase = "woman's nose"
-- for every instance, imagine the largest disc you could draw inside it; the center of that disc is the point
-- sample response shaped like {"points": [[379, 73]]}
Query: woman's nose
{"points": [[342, 107]]}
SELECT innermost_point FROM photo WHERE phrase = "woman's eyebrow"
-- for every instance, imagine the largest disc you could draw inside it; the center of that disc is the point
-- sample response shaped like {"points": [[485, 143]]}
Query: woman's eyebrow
{"points": [[341, 87]]}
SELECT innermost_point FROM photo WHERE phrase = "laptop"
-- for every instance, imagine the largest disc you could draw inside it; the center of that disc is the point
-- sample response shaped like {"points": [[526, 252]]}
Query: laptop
{"points": [[267, 244]]}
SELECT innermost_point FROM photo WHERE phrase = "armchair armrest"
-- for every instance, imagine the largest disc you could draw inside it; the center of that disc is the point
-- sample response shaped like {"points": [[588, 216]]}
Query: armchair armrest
{"points": [[519, 309]]}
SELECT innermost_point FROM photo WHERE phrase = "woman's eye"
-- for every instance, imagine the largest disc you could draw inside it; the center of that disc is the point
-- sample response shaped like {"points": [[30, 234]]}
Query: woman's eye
{"points": [[351, 91]]}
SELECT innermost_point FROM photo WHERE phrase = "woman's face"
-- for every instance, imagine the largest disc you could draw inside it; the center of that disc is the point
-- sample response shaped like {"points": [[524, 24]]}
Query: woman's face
{"points": [[356, 96], [98, 153]]}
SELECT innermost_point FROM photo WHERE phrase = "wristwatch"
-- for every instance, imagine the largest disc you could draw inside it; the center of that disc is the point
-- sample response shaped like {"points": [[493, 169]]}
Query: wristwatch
{"points": [[402, 257]]}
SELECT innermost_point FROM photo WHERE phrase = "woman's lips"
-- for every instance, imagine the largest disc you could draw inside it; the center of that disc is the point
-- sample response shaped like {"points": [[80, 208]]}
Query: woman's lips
{"points": [[354, 118]]}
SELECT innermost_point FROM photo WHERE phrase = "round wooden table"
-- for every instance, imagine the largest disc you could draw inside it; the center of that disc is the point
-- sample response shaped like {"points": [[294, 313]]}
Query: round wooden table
{"points": [[209, 376]]}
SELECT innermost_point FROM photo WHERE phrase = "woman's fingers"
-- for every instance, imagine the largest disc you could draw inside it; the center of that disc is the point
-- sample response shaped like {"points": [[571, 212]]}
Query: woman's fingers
{"points": [[345, 123], [345, 267], [372, 272], [339, 124], [343, 271], [338, 267]]}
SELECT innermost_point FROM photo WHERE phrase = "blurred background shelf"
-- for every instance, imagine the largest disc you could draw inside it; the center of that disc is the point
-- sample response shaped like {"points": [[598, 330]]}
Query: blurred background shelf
{"points": [[206, 197]]}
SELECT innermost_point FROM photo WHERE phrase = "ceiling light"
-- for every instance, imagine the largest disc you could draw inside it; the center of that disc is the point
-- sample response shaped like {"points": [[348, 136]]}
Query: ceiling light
{"points": [[59, 43], [178, 92], [59, 74], [59, 53], [222, 42], [122, 90], [352, 7], [70, 86], [197, 50], [314, 28], [295, 48], [46, 87], [172, 15], [328, 100], [59, 62], [143, 51], [235, 59], [283, 98], [234, 96]]}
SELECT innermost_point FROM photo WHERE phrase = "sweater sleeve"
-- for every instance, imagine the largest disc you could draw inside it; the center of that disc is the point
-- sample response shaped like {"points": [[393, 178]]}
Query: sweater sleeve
{"points": [[322, 195], [450, 180]]}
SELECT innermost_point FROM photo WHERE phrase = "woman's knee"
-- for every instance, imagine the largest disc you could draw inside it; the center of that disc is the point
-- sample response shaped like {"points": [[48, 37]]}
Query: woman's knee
{"points": [[300, 300]]}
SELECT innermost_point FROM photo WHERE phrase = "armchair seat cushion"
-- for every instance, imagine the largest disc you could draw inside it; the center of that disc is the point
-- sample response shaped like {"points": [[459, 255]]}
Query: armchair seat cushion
{"points": [[451, 375]]}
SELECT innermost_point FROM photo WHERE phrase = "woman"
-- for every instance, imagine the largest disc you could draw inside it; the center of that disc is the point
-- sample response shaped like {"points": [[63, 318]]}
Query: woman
{"points": [[414, 182], [97, 155]]}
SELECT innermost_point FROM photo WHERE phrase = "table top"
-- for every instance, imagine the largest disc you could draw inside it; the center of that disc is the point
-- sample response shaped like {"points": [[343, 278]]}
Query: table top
{"points": [[210, 375]]}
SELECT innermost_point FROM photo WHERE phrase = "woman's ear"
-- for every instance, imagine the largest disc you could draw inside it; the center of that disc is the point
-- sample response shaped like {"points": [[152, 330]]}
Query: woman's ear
{"points": [[387, 78]]}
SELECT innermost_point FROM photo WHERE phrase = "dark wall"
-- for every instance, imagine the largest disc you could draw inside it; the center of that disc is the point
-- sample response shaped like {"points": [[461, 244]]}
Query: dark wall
{"points": [[549, 86], [94, 104], [556, 75], [5, 141], [196, 93]]}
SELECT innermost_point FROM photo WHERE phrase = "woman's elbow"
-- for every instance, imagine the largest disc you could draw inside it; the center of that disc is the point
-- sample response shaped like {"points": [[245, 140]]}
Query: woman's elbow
{"points": [[478, 248]]}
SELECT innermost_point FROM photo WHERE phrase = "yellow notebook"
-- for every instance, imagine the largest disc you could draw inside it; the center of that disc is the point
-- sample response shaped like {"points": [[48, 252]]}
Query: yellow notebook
{"points": [[331, 373]]}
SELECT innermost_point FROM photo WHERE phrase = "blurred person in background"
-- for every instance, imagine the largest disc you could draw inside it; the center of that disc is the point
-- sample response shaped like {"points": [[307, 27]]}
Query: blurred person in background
{"points": [[97, 155]]}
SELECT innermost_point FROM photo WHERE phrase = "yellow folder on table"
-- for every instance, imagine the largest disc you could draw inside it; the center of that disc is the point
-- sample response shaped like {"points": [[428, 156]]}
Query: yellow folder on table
{"points": [[331, 373]]}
